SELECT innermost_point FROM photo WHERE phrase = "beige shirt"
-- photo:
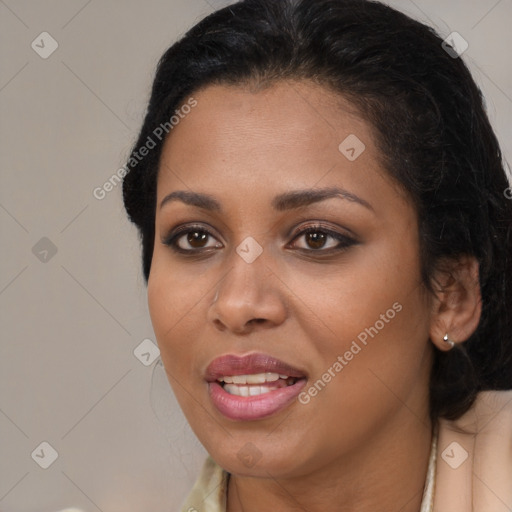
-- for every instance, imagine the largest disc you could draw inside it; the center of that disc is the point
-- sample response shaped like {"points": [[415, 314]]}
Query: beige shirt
{"points": [[469, 470]]}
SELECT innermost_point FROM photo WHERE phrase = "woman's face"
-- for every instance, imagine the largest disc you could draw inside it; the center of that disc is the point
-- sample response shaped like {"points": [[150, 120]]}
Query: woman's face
{"points": [[342, 304]]}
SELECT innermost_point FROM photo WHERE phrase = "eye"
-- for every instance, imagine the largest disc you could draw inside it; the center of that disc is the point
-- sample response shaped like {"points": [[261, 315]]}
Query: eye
{"points": [[318, 238], [190, 239], [321, 239]]}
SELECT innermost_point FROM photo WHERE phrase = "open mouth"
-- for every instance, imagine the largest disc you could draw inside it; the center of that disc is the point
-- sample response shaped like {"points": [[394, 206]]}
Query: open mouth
{"points": [[252, 387], [255, 384]]}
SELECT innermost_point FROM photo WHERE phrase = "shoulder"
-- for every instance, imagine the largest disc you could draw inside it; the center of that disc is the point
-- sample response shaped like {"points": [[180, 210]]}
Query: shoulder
{"points": [[209, 491], [474, 457]]}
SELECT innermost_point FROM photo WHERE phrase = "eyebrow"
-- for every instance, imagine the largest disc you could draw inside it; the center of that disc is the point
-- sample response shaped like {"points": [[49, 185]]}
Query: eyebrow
{"points": [[282, 202]]}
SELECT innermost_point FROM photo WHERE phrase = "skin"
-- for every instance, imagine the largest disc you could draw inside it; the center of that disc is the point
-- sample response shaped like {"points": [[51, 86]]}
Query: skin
{"points": [[363, 442]]}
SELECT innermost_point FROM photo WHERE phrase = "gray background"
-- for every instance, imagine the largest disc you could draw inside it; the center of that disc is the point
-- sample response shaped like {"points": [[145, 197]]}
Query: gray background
{"points": [[71, 322]]}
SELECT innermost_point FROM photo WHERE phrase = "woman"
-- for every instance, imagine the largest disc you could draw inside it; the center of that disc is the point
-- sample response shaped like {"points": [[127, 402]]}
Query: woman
{"points": [[327, 245]]}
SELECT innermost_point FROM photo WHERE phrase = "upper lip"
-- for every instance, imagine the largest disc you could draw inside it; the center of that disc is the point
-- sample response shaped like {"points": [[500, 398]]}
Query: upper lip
{"points": [[231, 364]]}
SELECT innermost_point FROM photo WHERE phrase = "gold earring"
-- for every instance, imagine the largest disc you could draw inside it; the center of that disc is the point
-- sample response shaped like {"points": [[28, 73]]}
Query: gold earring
{"points": [[448, 341]]}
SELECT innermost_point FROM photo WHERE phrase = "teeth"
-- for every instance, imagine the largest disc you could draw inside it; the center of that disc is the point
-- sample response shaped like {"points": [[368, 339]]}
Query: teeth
{"points": [[257, 378], [233, 389]]}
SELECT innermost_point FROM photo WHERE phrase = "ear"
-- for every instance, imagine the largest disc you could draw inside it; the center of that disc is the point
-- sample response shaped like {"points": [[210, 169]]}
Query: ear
{"points": [[457, 305]]}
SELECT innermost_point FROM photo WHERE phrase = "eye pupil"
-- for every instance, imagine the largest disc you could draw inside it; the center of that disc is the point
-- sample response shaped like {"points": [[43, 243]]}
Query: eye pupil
{"points": [[195, 237], [316, 239]]}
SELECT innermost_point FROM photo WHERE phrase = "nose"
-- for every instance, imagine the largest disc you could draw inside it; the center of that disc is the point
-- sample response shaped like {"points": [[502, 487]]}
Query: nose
{"points": [[248, 297]]}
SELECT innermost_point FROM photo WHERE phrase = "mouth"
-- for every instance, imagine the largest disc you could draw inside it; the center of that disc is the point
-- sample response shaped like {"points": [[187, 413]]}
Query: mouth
{"points": [[252, 387], [255, 384]]}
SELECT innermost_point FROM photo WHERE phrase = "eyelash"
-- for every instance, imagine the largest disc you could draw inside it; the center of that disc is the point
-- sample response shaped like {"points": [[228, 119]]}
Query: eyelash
{"points": [[344, 241]]}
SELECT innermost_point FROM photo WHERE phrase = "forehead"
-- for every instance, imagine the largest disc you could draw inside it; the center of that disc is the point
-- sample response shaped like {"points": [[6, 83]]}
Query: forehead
{"points": [[288, 135], [301, 113]]}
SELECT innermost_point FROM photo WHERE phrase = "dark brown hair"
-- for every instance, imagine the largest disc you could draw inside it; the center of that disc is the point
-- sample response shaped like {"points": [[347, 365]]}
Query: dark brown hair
{"points": [[431, 126]]}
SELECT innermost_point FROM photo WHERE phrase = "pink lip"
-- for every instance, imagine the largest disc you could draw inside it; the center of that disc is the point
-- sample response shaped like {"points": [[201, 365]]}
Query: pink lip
{"points": [[245, 365], [252, 407]]}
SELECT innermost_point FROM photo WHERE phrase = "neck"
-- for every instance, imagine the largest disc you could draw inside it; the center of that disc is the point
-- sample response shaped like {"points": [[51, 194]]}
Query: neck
{"points": [[387, 474]]}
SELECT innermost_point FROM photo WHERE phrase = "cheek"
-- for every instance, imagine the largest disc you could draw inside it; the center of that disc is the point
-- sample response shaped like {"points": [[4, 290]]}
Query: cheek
{"points": [[343, 300], [372, 312], [173, 293], [383, 341], [172, 318], [368, 368], [161, 302], [169, 309]]}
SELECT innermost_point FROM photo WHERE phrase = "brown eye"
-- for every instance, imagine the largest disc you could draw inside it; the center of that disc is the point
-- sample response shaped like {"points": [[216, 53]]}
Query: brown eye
{"points": [[190, 239], [315, 239], [197, 239], [322, 240]]}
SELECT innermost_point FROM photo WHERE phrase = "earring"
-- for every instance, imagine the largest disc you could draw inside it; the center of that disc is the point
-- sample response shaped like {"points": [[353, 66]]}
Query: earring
{"points": [[448, 341]]}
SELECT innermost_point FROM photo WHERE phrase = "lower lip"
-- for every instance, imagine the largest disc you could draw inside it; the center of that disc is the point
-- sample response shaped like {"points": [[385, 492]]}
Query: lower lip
{"points": [[253, 407]]}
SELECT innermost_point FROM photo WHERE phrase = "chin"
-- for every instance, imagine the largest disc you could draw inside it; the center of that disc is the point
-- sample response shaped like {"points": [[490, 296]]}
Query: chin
{"points": [[258, 459]]}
